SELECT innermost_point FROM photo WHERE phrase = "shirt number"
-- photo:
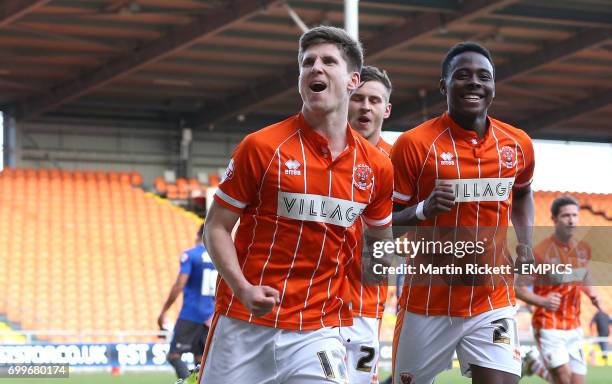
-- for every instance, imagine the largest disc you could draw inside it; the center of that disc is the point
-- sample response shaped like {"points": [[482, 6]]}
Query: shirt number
{"points": [[209, 282]]}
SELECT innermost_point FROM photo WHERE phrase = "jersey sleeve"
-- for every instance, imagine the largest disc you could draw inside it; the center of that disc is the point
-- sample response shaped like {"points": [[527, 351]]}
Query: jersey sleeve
{"points": [[378, 212], [539, 253], [242, 177], [405, 168], [185, 264], [526, 163]]}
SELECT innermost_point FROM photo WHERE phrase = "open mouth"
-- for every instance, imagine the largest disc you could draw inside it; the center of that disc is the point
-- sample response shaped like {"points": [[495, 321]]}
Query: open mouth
{"points": [[363, 119], [318, 86]]}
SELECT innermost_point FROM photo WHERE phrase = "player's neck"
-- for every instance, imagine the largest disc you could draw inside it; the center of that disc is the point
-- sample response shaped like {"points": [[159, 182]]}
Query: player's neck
{"points": [[563, 239], [478, 124], [374, 138], [331, 125]]}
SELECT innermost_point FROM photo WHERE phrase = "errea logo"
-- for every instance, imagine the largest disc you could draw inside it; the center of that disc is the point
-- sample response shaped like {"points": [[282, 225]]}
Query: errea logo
{"points": [[293, 167], [447, 158]]}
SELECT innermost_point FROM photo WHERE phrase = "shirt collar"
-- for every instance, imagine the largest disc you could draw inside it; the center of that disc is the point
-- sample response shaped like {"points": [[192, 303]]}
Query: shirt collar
{"points": [[468, 135], [570, 244], [317, 139]]}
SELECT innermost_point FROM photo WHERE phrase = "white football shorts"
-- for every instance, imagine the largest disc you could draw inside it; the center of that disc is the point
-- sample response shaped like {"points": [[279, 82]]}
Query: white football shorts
{"points": [[559, 347], [362, 349], [424, 345], [243, 353]]}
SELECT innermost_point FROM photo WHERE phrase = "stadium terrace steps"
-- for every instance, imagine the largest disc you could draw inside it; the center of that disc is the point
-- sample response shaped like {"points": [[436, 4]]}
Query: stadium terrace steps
{"points": [[86, 251]]}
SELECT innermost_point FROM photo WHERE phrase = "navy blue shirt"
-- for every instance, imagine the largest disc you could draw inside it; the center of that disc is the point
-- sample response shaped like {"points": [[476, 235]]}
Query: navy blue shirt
{"points": [[199, 292]]}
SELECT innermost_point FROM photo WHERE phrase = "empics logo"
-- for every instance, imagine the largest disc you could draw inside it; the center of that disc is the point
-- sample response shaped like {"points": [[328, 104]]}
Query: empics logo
{"points": [[293, 167], [447, 158]]}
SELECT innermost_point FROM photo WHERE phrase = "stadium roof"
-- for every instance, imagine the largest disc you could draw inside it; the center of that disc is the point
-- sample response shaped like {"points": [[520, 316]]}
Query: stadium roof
{"points": [[230, 66]]}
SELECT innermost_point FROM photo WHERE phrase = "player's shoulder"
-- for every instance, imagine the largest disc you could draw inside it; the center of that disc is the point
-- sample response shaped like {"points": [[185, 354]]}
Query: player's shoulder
{"points": [[384, 147], [372, 152], [583, 245], [543, 246], [272, 135], [195, 252], [545, 242], [512, 131], [423, 134]]}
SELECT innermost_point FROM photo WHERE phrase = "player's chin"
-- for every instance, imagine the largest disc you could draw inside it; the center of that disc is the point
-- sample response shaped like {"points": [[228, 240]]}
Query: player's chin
{"points": [[360, 130], [472, 109], [321, 106]]}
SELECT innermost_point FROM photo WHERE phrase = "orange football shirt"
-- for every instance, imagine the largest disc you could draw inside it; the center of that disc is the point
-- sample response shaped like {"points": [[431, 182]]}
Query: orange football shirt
{"points": [[298, 210], [367, 300], [552, 251], [483, 173]]}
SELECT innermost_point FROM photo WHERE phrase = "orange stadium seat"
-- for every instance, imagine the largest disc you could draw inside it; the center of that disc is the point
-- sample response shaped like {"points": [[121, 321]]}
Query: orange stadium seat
{"points": [[160, 185], [135, 179], [104, 257]]}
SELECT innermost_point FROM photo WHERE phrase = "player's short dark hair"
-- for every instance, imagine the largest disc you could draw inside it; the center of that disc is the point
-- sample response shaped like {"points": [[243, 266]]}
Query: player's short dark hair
{"points": [[466, 46], [351, 49], [562, 201], [371, 73]]}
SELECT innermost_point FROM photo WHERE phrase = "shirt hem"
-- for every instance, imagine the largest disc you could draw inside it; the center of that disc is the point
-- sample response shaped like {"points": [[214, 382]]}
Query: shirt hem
{"points": [[445, 312], [288, 325]]}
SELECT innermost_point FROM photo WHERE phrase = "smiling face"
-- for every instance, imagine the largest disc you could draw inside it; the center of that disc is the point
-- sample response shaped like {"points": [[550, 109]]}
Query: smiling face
{"points": [[325, 81], [368, 107], [469, 85]]}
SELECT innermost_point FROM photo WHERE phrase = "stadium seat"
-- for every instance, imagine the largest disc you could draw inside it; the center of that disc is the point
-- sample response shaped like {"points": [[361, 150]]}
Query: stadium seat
{"points": [[90, 251]]}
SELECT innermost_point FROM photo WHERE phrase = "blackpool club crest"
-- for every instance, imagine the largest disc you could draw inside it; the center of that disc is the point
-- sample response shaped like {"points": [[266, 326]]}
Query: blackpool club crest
{"points": [[362, 177], [507, 156]]}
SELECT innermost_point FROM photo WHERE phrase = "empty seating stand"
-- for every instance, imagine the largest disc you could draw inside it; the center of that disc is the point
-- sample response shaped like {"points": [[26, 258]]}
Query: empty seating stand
{"points": [[86, 251]]}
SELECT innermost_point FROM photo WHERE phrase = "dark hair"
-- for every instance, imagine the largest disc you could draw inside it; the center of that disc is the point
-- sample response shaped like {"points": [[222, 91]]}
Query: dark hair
{"points": [[562, 202], [350, 48], [371, 73], [466, 46]]}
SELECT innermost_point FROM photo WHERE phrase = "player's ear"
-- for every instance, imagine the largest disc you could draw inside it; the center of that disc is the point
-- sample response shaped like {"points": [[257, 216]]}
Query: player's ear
{"points": [[443, 86], [387, 111], [355, 80]]}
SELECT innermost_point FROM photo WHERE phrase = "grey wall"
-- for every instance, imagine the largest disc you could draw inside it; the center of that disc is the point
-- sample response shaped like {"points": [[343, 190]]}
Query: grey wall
{"points": [[149, 150]]}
